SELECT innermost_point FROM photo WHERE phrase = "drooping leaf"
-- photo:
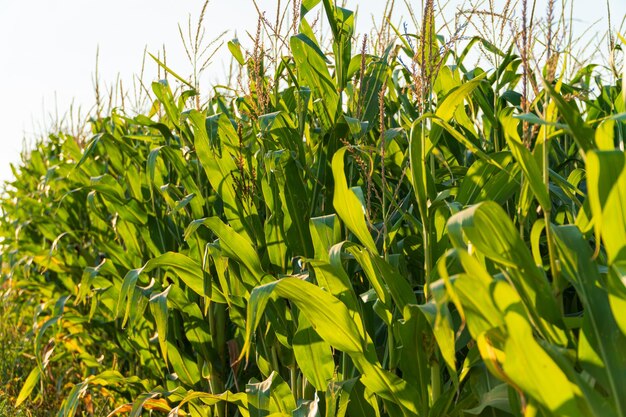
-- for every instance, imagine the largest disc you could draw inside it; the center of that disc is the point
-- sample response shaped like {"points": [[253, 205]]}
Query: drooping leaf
{"points": [[348, 206]]}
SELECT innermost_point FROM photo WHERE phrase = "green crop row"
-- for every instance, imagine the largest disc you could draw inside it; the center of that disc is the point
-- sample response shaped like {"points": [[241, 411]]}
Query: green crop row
{"points": [[349, 236]]}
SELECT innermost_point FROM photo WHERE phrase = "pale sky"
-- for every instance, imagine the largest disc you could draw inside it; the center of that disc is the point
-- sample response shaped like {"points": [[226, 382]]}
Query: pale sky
{"points": [[48, 49]]}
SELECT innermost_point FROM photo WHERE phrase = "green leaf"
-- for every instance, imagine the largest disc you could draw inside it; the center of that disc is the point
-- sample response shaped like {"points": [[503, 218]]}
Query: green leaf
{"points": [[605, 135], [398, 393], [606, 182], [70, 403], [325, 232], [534, 371], [348, 206], [29, 384], [185, 367], [460, 137], [438, 316], [498, 398], [484, 181], [532, 171], [309, 408], [380, 273], [239, 399], [492, 233], [331, 276], [57, 315], [342, 24], [164, 93], [313, 73], [274, 226], [170, 71], [188, 270], [582, 134], [471, 292], [600, 348], [448, 107], [158, 307], [295, 198], [328, 316], [126, 294], [307, 5], [218, 164], [235, 48], [313, 355], [233, 244], [259, 397]]}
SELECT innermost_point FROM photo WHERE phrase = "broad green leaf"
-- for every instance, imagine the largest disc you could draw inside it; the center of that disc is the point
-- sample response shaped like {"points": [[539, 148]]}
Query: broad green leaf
{"points": [[185, 367], [240, 399], [532, 172], [605, 134], [328, 316], [166, 68], [415, 336], [498, 398], [195, 324], [57, 316], [147, 400], [126, 294], [616, 285], [233, 244], [235, 49], [460, 137], [218, 165], [471, 292], [600, 348], [158, 307], [484, 181], [332, 321], [307, 5], [380, 273], [29, 384], [274, 226], [163, 92], [348, 205], [313, 73], [259, 397], [533, 370], [342, 25], [396, 391], [295, 198], [71, 401], [606, 182], [325, 232], [188, 270], [448, 107], [438, 316], [313, 354], [309, 408], [582, 134], [489, 229], [331, 276]]}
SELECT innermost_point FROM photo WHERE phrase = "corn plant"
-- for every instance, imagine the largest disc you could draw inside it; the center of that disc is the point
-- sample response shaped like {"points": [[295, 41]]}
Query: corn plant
{"points": [[348, 236]]}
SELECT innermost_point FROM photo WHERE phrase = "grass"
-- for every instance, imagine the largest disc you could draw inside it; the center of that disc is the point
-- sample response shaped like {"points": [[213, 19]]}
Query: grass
{"points": [[17, 354]]}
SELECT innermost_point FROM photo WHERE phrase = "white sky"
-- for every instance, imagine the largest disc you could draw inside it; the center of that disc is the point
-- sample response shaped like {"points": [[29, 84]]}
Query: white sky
{"points": [[48, 48]]}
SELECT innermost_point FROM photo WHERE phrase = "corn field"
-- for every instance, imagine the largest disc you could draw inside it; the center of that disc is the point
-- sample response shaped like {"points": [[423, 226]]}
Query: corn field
{"points": [[359, 228]]}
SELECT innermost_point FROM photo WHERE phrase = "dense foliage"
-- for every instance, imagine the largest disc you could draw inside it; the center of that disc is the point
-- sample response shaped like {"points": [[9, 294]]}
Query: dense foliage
{"points": [[348, 236]]}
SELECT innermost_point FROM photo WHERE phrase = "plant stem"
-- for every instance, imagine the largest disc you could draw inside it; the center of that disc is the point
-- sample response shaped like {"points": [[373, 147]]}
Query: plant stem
{"points": [[435, 382]]}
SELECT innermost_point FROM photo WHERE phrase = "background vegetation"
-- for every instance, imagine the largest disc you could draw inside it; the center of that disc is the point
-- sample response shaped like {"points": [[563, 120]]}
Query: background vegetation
{"points": [[352, 227]]}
